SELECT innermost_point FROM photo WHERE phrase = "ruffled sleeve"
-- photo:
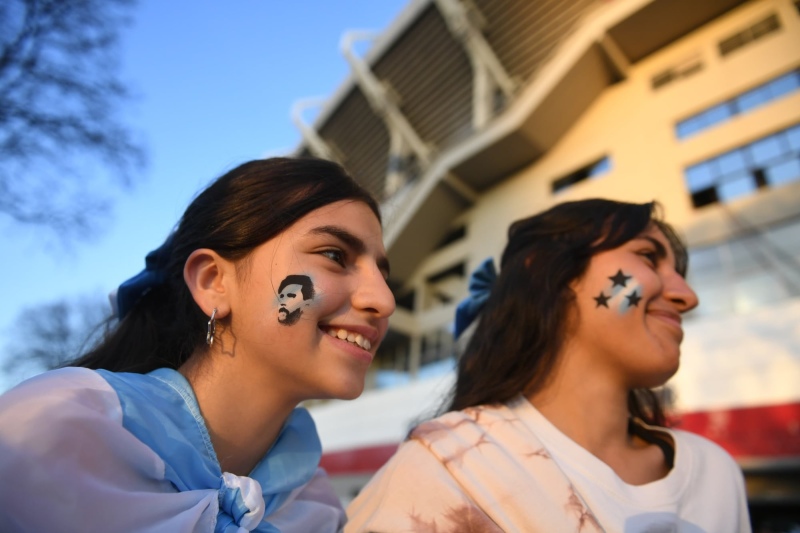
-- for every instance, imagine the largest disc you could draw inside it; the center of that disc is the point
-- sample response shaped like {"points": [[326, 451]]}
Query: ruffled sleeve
{"points": [[67, 464]]}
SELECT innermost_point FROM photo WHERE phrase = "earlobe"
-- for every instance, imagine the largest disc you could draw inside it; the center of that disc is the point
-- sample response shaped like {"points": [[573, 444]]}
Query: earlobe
{"points": [[206, 274]]}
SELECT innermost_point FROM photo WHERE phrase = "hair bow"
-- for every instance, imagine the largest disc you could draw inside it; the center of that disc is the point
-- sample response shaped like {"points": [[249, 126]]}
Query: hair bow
{"points": [[480, 286], [154, 274]]}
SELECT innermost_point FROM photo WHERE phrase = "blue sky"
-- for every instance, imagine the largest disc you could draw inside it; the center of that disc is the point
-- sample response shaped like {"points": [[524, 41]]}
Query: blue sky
{"points": [[214, 83]]}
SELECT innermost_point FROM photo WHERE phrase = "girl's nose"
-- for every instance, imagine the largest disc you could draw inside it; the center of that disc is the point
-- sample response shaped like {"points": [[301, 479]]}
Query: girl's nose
{"points": [[373, 294], [677, 290]]}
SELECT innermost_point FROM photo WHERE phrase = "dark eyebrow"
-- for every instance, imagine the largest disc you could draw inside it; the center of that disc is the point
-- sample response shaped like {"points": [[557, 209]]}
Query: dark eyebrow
{"points": [[353, 242], [661, 250]]}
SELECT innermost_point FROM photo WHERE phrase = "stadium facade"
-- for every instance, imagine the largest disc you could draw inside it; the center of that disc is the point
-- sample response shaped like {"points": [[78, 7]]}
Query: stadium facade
{"points": [[465, 115]]}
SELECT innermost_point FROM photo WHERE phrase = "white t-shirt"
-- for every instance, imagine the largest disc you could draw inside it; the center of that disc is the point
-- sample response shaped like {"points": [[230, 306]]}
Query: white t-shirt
{"points": [[696, 496]]}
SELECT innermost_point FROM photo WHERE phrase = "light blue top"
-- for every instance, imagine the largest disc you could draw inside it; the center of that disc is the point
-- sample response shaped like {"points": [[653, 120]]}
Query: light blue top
{"points": [[161, 410]]}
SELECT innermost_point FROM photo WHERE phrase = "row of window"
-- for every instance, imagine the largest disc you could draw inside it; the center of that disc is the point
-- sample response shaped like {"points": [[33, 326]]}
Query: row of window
{"points": [[767, 162], [684, 69], [592, 170], [731, 43], [748, 35], [772, 90]]}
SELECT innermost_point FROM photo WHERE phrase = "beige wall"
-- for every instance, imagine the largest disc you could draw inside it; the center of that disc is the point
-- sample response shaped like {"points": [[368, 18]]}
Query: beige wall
{"points": [[635, 125]]}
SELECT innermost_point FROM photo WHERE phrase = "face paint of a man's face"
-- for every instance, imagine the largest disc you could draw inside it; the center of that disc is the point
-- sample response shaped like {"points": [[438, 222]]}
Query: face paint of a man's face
{"points": [[291, 302]]}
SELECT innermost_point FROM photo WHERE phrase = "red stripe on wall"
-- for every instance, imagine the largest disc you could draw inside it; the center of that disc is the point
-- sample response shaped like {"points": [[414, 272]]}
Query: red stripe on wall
{"points": [[755, 432], [752, 432], [364, 460]]}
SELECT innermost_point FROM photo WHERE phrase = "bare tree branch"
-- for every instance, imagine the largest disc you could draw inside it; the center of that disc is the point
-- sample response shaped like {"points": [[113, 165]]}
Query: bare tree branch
{"points": [[61, 141], [46, 336]]}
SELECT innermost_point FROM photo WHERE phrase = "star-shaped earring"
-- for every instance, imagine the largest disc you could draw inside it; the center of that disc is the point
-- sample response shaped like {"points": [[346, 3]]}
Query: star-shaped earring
{"points": [[633, 299], [601, 300], [619, 279]]}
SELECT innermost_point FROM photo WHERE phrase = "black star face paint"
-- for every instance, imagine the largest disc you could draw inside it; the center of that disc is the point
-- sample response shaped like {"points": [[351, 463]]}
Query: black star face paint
{"points": [[619, 279], [624, 293], [633, 299], [295, 292], [602, 300]]}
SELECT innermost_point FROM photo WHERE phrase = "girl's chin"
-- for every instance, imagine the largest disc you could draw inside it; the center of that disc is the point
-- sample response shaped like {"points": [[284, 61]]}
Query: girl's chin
{"points": [[353, 392]]}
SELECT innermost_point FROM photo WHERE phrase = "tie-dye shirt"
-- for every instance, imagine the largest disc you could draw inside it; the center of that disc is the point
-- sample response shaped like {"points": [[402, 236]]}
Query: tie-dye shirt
{"points": [[506, 468]]}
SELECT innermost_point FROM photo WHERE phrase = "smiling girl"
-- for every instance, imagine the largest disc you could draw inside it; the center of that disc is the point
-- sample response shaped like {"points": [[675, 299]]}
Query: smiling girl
{"points": [[185, 418], [553, 425]]}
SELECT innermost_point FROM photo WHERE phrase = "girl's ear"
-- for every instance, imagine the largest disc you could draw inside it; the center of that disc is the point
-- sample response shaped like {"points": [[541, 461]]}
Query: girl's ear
{"points": [[208, 275]]}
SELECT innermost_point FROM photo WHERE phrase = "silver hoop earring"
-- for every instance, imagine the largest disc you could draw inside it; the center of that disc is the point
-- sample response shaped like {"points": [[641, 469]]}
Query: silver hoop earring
{"points": [[212, 327]]}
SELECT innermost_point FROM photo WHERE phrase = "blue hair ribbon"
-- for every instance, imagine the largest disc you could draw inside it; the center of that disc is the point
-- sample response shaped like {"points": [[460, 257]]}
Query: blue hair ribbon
{"points": [[153, 275], [480, 286]]}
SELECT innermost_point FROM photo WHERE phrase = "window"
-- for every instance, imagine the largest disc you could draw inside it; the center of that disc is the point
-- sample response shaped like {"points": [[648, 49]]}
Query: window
{"points": [[749, 35], [401, 170], [445, 287], [593, 170], [454, 235], [767, 162], [436, 346], [745, 102], [748, 271], [406, 300], [404, 297], [685, 68]]}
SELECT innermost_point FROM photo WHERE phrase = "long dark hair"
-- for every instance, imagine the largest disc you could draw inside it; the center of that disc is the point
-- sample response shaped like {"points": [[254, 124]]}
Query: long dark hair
{"points": [[522, 327], [244, 208]]}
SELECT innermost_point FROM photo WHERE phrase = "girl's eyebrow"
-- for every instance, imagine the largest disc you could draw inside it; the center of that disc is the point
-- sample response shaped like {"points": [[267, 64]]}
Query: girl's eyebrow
{"points": [[353, 242], [661, 250]]}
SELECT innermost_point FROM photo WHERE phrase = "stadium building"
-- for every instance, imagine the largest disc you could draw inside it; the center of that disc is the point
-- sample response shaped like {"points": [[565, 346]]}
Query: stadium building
{"points": [[465, 115]]}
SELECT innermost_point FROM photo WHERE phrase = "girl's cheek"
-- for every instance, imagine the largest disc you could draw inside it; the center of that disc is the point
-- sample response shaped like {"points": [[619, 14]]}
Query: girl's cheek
{"points": [[621, 294]]}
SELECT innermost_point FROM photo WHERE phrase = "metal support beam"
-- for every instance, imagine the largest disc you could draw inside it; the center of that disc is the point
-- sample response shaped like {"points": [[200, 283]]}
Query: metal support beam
{"points": [[414, 356], [462, 189], [616, 56], [465, 23], [405, 143], [316, 144]]}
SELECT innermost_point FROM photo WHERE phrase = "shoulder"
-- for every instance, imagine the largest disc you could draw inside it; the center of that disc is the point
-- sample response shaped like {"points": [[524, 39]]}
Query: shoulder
{"points": [[419, 463], [68, 377], [465, 424], [53, 414], [475, 430], [62, 440], [414, 491], [311, 507], [421, 470], [480, 467], [56, 394], [700, 446], [60, 414], [712, 479], [702, 457]]}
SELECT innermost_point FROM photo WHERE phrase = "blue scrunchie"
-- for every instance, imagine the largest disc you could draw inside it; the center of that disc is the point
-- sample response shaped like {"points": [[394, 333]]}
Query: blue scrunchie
{"points": [[480, 286], [153, 275]]}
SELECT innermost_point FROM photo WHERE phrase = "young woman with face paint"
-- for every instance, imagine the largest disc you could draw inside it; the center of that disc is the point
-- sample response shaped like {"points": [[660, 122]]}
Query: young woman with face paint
{"points": [[272, 290], [552, 425]]}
